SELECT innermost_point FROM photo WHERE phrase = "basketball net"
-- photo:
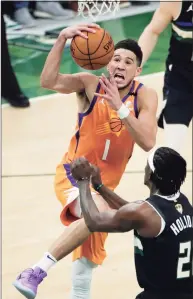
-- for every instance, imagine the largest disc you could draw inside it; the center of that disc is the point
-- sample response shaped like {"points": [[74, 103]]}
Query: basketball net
{"points": [[95, 8]]}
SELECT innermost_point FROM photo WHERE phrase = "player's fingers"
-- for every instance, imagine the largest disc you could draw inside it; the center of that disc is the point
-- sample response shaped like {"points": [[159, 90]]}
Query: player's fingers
{"points": [[84, 162], [104, 78], [104, 86], [104, 96], [100, 95], [81, 34], [94, 25], [82, 28]]}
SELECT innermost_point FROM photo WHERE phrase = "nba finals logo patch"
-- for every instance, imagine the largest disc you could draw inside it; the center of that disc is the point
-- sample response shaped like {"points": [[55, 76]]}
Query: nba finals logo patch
{"points": [[179, 208]]}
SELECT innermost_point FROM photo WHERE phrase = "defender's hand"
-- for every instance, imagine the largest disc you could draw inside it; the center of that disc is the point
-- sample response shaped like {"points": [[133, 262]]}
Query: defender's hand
{"points": [[81, 169], [72, 31]]}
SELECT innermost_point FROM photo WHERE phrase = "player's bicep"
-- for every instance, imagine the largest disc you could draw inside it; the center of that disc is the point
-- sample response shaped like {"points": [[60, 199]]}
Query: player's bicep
{"points": [[69, 83], [122, 220], [161, 18], [148, 103], [106, 222]]}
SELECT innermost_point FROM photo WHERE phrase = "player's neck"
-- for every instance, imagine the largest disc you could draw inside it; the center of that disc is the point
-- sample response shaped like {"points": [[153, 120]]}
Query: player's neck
{"points": [[153, 190], [124, 91]]}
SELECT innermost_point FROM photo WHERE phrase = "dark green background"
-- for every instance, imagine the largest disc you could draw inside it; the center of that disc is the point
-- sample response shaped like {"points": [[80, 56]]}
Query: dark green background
{"points": [[28, 69]]}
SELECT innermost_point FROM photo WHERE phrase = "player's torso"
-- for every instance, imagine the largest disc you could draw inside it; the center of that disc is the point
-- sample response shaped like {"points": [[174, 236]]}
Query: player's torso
{"points": [[180, 51], [165, 263], [102, 138]]}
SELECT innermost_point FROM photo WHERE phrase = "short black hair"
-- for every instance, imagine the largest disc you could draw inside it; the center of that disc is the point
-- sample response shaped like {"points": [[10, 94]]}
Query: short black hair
{"points": [[132, 45], [170, 170]]}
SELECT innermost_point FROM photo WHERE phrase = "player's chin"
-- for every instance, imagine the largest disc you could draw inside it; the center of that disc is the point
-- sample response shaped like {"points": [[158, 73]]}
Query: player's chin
{"points": [[121, 85]]}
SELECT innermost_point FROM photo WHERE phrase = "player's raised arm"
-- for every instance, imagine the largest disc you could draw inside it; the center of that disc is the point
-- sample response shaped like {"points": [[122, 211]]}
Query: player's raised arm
{"points": [[161, 19], [65, 83], [126, 216], [144, 128]]}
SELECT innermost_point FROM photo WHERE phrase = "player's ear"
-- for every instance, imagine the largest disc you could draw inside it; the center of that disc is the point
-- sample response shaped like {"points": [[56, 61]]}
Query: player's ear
{"points": [[138, 71]]}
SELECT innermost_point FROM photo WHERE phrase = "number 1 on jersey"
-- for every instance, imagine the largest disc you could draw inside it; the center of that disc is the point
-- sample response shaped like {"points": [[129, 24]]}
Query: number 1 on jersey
{"points": [[106, 150]]}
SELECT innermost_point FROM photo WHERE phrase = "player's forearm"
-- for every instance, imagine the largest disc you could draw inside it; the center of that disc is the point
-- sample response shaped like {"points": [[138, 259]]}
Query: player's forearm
{"points": [[88, 206], [52, 64], [147, 42], [114, 201], [141, 134]]}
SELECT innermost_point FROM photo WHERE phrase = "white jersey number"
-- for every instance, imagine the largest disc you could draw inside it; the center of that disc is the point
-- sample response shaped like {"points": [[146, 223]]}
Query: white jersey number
{"points": [[106, 150], [185, 249]]}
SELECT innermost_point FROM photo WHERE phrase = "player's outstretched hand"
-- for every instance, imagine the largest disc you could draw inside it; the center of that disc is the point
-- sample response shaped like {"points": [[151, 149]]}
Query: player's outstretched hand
{"points": [[72, 31], [111, 91], [81, 169]]}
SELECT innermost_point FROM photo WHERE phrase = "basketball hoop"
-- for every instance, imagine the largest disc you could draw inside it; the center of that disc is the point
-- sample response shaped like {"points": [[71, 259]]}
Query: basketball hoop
{"points": [[95, 8]]}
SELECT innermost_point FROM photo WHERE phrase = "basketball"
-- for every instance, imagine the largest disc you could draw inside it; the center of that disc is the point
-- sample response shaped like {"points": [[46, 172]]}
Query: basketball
{"points": [[95, 52]]}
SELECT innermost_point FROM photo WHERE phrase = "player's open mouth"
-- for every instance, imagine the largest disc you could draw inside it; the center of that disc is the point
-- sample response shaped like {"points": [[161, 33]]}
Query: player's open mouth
{"points": [[119, 77]]}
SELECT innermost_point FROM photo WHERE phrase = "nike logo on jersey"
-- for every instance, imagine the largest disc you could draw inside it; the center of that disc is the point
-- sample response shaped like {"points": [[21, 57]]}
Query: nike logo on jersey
{"points": [[102, 101], [180, 224], [190, 8]]}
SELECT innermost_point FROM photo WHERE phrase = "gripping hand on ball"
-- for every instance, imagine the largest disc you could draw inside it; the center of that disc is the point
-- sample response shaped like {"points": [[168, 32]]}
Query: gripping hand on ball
{"points": [[81, 169], [72, 31]]}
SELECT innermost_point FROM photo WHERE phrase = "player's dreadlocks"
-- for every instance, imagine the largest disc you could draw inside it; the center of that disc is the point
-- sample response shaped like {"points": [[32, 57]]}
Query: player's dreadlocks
{"points": [[170, 170]]}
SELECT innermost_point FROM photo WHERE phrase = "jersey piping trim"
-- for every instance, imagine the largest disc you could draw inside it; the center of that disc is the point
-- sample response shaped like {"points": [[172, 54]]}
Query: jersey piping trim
{"points": [[163, 223], [135, 100], [170, 197]]}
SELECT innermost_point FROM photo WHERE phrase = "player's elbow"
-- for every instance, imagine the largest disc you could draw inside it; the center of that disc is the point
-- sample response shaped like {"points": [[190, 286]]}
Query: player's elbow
{"points": [[149, 145], [92, 225], [48, 82], [152, 31], [45, 83]]}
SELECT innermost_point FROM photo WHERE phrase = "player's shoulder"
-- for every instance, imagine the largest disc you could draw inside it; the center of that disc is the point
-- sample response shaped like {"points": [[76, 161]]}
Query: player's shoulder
{"points": [[144, 88], [89, 81], [146, 92], [87, 78], [139, 210]]}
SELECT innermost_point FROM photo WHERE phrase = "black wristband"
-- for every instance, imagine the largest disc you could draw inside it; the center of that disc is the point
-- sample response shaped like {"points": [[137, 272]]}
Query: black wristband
{"points": [[97, 187]]}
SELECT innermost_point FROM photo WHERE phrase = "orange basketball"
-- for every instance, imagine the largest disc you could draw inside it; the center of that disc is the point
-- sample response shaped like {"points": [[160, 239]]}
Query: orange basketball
{"points": [[95, 52]]}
